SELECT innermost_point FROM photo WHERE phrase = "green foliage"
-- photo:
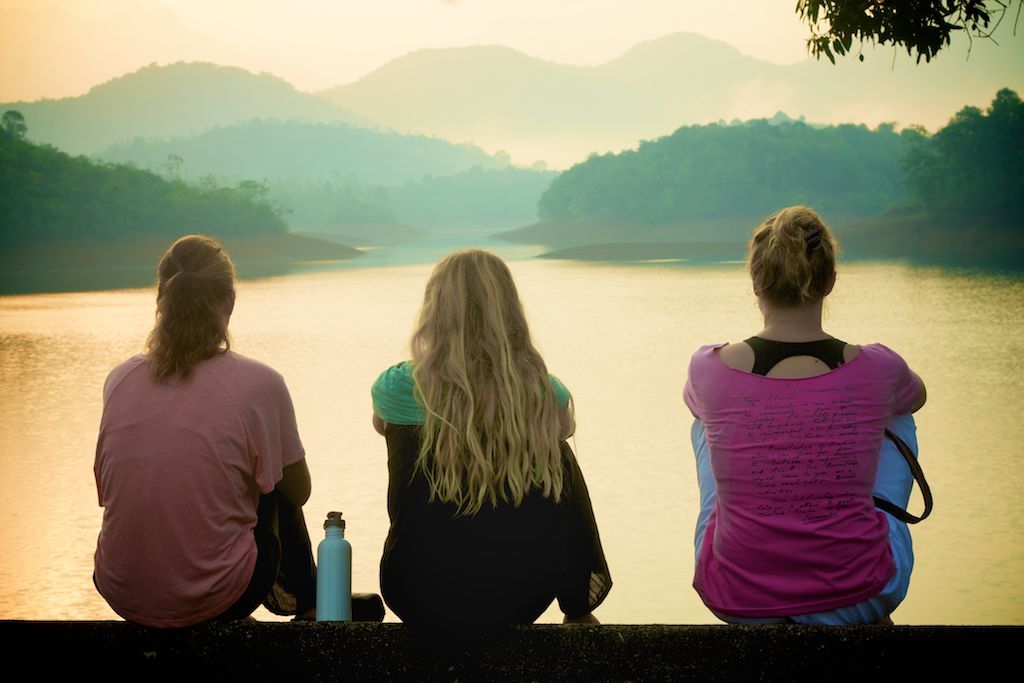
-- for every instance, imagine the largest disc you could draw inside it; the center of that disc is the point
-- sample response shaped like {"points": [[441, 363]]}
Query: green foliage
{"points": [[479, 198], [921, 26], [715, 171], [14, 124], [292, 149], [46, 194], [973, 165], [315, 206]]}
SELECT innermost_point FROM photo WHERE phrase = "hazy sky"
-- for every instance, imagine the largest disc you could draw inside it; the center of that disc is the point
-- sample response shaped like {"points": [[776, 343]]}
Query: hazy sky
{"points": [[57, 48]]}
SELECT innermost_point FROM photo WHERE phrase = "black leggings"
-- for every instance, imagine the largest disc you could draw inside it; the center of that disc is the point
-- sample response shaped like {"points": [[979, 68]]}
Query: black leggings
{"points": [[284, 579]]}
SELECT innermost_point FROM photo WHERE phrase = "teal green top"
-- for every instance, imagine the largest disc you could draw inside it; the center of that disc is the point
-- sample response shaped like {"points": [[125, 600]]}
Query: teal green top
{"points": [[394, 400]]}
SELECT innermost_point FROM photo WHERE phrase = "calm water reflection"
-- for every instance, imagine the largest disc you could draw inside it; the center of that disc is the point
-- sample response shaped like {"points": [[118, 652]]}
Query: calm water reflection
{"points": [[620, 337]]}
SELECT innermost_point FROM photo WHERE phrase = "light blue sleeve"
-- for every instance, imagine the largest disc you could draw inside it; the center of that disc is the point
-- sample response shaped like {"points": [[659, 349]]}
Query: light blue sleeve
{"points": [[394, 398]]}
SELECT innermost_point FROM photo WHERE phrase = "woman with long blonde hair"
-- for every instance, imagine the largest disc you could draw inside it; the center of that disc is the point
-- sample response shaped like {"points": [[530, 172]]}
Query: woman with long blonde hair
{"points": [[199, 466], [490, 516], [801, 515]]}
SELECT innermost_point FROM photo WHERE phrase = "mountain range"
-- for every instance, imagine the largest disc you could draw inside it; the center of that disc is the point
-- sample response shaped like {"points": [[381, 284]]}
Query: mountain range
{"points": [[169, 101], [499, 98], [503, 100]]}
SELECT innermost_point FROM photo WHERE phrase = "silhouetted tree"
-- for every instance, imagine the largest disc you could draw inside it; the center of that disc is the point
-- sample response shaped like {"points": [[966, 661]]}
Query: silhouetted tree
{"points": [[975, 165], [14, 124], [921, 26]]}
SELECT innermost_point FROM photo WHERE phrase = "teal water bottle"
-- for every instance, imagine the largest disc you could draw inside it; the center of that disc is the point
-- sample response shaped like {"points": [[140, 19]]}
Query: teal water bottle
{"points": [[334, 572]]}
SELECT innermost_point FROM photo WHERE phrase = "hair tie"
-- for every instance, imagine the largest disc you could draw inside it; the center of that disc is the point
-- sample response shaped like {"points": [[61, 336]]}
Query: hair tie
{"points": [[813, 240]]}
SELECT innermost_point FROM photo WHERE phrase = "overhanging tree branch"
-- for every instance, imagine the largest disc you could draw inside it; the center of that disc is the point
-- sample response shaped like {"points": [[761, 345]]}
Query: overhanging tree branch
{"points": [[920, 26]]}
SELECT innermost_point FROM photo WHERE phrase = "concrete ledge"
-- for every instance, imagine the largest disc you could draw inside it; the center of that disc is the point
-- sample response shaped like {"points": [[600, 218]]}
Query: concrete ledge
{"points": [[355, 652]]}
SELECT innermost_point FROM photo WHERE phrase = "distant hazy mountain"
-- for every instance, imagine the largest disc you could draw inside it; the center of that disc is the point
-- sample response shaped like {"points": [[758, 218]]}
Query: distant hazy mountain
{"points": [[166, 101], [502, 99], [269, 150]]}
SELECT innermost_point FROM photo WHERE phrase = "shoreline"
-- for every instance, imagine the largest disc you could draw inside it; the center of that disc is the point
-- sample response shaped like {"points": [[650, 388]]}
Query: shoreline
{"points": [[76, 265]]}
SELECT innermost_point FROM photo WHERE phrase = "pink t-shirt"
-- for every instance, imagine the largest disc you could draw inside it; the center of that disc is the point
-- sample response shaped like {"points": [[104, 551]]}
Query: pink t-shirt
{"points": [[179, 470], [795, 530]]}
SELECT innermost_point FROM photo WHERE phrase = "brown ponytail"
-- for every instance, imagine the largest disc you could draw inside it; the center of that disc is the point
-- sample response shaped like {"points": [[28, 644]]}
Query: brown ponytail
{"points": [[792, 257], [194, 280]]}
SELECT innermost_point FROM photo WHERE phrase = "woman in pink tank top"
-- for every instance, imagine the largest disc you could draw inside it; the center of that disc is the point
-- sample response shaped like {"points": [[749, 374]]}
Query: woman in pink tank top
{"points": [[789, 444], [199, 466]]}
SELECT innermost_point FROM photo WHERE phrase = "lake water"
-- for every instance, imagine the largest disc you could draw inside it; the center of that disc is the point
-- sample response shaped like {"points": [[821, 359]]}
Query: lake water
{"points": [[619, 336]]}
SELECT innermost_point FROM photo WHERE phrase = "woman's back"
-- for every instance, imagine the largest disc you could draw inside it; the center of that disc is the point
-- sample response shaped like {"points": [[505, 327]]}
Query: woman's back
{"points": [[788, 444], [794, 460], [490, 519], [503, 564], [193, 437]]}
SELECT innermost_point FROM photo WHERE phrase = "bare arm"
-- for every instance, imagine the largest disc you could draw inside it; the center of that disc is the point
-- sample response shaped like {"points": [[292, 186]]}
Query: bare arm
{"points": [[379, 425], [295, 484]]}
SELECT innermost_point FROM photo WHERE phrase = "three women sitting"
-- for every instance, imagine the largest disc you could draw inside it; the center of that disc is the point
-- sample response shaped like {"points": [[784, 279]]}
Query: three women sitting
{"points": [[490, 516]]}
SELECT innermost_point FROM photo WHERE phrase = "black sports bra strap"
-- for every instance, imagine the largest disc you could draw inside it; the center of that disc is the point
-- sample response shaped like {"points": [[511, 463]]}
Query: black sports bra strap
{"points": [[768, 353]]}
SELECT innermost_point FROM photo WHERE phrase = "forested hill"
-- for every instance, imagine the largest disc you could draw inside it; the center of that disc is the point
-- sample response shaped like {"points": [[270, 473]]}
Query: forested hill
{"points": [[293, 149], [46, 194], [956, 196], [966, 185], [707, 173]]}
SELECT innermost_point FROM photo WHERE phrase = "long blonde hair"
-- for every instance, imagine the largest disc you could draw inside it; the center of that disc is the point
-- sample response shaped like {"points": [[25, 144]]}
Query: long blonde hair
{"points": [[492, 426], [194, 279], [792, 257]]}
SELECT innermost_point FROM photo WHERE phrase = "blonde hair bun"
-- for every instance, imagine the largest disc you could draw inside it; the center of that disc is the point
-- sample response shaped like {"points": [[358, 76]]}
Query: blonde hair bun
{"points": [[792, 257]]}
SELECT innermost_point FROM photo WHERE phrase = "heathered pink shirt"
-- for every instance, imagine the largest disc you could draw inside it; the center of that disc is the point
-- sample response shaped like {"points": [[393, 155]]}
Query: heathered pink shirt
{"points": [[795, 530], [179, 470]]}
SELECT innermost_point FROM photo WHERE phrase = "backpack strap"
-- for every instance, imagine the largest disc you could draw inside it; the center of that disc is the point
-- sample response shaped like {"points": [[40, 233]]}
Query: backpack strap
{"points": [[915, 469]]}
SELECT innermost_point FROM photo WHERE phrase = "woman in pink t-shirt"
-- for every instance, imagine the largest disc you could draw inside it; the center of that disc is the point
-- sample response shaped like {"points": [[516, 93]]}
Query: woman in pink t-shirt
{"points": [[199, 466], [790, 450]]}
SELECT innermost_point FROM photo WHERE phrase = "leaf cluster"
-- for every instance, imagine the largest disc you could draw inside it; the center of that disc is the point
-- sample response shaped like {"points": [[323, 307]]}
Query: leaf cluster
{"points": [[922, 27]]}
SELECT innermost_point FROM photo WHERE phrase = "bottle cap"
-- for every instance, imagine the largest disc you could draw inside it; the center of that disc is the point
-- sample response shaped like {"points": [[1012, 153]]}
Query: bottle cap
{"points": [[334, 519]]}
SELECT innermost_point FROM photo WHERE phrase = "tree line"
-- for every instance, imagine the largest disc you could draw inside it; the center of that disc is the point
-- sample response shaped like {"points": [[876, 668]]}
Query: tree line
{"points": [[707, 171], [973, 166], [47, 194], [975, 163]]}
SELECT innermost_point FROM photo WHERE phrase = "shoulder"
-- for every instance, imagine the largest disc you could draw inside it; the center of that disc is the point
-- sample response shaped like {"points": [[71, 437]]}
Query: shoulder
{"points": [[704, 375], [244, 376], [881, 355], [738, 356], [396, 379], [707, 357], [137, 363], [562, 394], [394, 396]]}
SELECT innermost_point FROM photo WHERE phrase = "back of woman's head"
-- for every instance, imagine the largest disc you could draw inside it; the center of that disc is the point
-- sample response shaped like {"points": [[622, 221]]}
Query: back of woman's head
{"points": [[792, 257], [195, 279], [492, 428]]}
